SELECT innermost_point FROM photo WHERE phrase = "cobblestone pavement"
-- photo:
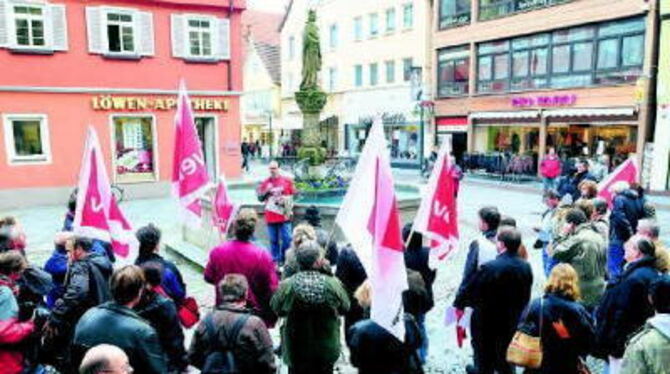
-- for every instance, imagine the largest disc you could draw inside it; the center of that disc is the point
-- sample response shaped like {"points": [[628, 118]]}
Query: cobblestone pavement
{"points": [[444, 356]]}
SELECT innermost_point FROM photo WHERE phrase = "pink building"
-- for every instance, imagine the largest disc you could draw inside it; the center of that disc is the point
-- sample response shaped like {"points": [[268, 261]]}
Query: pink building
{"points": [[115, 65]]}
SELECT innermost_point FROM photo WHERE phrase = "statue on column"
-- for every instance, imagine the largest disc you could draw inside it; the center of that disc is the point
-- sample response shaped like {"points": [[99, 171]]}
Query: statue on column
{"points": [[311, 54]]}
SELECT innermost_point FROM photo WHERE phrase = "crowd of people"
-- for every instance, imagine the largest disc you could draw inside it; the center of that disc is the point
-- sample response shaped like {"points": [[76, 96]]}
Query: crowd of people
{"points": [[607, 296]]}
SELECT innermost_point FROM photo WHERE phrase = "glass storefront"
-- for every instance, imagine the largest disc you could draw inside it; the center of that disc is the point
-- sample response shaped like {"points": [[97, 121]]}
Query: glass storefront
{"points": [[403, 140], [134, 149]]}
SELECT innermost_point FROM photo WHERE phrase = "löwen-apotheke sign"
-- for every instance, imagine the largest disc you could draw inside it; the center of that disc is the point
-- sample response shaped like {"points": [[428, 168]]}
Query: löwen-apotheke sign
{"points": [[544, 101], [109, 102]]}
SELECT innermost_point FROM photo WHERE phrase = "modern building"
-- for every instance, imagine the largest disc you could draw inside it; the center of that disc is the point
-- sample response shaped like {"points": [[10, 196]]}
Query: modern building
{"points": [[114, 65], [520, 76], [261, 101], [371, 50], [659, 176]]}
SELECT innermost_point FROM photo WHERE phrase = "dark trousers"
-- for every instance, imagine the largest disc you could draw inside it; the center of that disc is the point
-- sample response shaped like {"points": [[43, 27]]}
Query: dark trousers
{"points": [[311, 368], [489, 343]]}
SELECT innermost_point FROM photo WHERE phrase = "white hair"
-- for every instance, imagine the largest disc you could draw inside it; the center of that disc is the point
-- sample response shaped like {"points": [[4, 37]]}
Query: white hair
{"points": [[619, 187]]}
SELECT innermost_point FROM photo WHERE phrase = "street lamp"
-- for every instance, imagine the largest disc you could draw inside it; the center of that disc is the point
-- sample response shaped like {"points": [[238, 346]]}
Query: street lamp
{"points": [[416, 92]]}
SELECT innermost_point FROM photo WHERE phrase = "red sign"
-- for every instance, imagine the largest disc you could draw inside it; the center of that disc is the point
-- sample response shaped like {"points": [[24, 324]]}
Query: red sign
{"points": [[544, 101]]}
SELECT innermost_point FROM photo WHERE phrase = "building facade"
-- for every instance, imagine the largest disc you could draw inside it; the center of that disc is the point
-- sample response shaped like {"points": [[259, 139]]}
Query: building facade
{"points": [[371, 52], [659, 178], [519, 76], [261, 101], [114, 65]]}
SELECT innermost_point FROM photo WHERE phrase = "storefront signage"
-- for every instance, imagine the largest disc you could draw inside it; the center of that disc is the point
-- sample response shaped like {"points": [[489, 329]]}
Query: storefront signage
{"points": [[387, 119], [108, 102], [544, 101]]}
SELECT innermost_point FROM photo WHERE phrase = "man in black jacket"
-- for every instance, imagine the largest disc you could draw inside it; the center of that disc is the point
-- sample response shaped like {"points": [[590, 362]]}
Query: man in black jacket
{"points": [[86, 286], [117, 324], [625, 306], [498, 293]]}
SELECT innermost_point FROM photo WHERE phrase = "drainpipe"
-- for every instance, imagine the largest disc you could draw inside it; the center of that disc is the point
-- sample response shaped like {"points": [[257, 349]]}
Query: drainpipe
{"points": [[230, 62]]}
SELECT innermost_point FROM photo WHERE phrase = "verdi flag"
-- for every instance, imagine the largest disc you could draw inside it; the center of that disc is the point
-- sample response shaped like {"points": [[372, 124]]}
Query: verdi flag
{"points": [[98, 215], [370, 220], [189, 173], [223, 208], [628, 171], [437, 217]]}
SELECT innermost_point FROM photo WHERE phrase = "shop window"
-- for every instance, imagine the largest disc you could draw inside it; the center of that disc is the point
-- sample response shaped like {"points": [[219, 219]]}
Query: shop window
{"points": [[408, 16], [35, 27], [358, 75], [120, 32], [134, 149], [453, 71], [454, 13], [374, 25], [358, 29], [206, 128], [490, 9], [390, 71], [205, 38], [26, 139], [390, 20], [407, 69], [374, 74]]}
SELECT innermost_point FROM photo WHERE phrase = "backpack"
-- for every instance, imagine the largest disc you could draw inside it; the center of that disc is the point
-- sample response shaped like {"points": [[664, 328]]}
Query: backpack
{"points": [[221, 359]]}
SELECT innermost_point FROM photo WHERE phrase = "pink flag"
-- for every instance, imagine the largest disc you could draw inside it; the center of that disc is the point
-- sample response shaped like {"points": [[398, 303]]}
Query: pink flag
{"points": [[369, 218], [223, 208], [98, 215], [437, 217], [628, 171], [189, 173]]}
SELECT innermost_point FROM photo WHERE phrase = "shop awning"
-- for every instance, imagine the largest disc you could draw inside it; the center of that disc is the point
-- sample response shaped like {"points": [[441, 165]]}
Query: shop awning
{"points": [[591, 112], [526, 114], [451, 124]]}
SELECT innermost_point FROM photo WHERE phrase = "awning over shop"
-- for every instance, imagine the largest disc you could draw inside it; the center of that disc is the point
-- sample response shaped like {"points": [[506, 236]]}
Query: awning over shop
{"points": [[519, 114], [452, 124], [591, 112]]}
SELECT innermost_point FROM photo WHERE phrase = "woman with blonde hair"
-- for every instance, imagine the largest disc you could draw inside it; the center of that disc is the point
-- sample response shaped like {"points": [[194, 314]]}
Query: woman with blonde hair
{"points": [[566, 327]]}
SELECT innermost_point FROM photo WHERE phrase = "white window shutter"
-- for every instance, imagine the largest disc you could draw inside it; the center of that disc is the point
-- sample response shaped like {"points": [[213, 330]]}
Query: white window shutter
{"points": [[58, 29], [94, 29], [222, 38], [145, 34], [178, 35], [4, 26]]}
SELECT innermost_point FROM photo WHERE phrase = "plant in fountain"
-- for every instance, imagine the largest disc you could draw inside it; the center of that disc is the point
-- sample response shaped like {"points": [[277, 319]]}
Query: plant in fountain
{"points": [[311, 99]]}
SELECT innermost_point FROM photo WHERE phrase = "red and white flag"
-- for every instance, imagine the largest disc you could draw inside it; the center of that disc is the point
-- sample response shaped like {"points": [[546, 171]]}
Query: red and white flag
{"points": [[437, 217], [189, 173], [370, 220], [223, 208], [628, 171], [98, 215]]}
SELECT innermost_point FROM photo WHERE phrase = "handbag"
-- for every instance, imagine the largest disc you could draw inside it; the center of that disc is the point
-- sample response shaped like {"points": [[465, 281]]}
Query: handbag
{"points": [[189, 313], [525, 350]]}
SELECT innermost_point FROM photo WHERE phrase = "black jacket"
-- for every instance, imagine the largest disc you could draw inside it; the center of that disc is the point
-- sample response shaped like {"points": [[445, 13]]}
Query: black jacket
{"points": [[86, 286], [627, 209], [173, 283], [625, 307], [567, 332], [472, 264], [161, 314], [499, 293], [417, 259], [376, 351], [115, 324], [352, 274]]}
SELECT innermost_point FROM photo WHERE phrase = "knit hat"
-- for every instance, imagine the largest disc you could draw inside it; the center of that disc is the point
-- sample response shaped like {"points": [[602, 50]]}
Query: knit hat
{"points": [[312, 216]]}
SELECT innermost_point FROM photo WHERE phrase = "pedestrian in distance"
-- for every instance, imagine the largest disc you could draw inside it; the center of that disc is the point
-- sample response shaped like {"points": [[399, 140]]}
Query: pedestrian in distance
{"points": [[157, 308], [374, 350], [567, 329], [627, 209], [116, 323], [86, 286], [276, 192], [498, 292], [241, 256], [311, 303], [550, 169], [105, 358], [648, 352], [544, 230], [232, 328], [625, 306], [579, 245]]}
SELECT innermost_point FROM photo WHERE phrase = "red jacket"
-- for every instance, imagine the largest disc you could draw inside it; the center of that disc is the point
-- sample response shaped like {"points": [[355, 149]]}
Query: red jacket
{"points": [[273, 190], [11, 332], [550, 167]]}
